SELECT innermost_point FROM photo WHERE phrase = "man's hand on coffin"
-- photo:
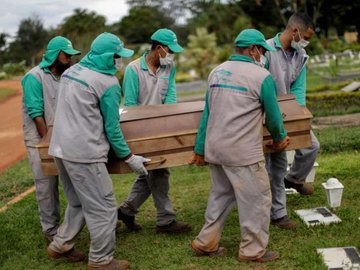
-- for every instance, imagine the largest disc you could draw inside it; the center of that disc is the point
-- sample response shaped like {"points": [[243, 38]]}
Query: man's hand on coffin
{"points": [[198, 160], [281, 145], [136, 163]]}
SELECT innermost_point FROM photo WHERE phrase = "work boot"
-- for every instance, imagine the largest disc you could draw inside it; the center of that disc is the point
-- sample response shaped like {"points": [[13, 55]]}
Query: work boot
{"points": [[113, 265], [71, 255], [267, 257], [48, 238], [284, 223], [174, 227], [220, 252], [129, 221], [303, 189]]}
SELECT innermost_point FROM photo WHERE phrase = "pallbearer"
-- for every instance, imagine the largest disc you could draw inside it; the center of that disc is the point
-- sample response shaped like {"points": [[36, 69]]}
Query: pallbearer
{"points": [[86, 125], [230, 138], [40, 89], [150, 80]]}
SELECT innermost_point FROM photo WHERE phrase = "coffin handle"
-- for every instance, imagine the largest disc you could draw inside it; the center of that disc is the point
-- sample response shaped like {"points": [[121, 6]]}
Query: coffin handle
{"points": [[159, 161]]}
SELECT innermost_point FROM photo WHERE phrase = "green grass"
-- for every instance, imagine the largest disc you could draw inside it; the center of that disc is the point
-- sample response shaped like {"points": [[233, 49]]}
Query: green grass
{"points": [[339, 139], [15, 181], [22, 245], [5, 93]]}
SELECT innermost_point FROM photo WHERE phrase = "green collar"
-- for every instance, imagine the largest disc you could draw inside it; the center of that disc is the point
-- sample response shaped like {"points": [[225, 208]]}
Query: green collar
{"points": [[46, 69], [240, 57], [143, 64], [277, 41]]}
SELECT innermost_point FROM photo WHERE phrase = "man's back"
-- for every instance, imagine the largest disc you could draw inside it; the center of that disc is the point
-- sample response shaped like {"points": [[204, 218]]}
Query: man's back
{"points": [[78, 112], [234, 131]]}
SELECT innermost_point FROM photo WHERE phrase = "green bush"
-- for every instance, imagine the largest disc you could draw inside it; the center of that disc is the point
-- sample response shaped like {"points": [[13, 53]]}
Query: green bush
{"points": [[338, 45], [333, 103], [327, 87], [3, 75], [12, 69], [182, 77]]}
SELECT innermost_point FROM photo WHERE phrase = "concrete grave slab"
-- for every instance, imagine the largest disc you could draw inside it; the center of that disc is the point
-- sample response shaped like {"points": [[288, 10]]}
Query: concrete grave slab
{"points": [[352, 87], [317, 216], [340, 258]]}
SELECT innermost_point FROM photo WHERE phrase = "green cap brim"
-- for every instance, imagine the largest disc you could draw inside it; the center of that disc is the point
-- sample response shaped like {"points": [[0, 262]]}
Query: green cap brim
{"points": [[71, 52], [268, 47], [125, 52], [176, 48]]}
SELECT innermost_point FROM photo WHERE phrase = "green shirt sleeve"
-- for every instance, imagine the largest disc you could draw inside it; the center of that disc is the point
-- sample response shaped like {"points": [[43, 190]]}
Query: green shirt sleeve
{"points": [[273, 117], [131, 87], [201, 135], [298, 87], [171, 92], [109, 107], [33, 96]]}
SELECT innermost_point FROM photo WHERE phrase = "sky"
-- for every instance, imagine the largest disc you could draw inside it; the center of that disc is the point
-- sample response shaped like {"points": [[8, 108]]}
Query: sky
{"points": [[52, 12]]}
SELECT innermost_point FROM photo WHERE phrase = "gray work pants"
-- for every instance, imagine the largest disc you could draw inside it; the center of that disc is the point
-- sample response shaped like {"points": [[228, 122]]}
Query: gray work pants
{"points": [[47, 194], [156, 183], [247, 187], [89, 191], [303, 161], [276, 165]]}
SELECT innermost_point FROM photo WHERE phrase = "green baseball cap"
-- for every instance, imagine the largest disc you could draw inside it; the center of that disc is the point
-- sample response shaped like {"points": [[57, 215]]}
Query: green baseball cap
{"points": [[62, 44], [109, 43], [249, 37], [167, 37], [54, 47]]}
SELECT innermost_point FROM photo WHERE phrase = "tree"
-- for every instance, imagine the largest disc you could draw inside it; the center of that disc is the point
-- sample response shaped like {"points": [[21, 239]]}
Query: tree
{"points": [[174, 9], [201, 52], [217, 17], [30, 39], [141, 23], [82, 27], [3, 37]]}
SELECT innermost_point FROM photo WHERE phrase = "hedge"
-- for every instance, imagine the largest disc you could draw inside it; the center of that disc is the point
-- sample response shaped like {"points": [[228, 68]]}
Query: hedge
{"points": [[338, 103]]}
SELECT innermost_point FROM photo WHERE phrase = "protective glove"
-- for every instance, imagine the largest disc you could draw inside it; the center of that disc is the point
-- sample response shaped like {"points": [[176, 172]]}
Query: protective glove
{"points": [[136, 163], [197, 159], [279, 146]]}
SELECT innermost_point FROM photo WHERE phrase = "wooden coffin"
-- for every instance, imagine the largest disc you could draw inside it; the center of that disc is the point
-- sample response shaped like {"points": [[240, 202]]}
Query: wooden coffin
{"points": [[166, 134], [297, 124]]}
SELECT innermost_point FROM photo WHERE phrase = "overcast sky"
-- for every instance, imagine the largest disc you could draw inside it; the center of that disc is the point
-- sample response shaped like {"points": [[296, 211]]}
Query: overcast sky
{"points": [[52, 12]]}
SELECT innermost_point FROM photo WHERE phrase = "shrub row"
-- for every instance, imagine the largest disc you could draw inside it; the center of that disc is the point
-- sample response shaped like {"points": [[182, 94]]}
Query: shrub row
{"points": [[337, 103]]}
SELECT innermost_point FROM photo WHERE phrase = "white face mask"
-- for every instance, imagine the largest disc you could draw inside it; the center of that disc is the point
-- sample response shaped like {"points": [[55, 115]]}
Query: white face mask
{"points": [[168, 59], [301, 44], [263, 59], [118, 63]]}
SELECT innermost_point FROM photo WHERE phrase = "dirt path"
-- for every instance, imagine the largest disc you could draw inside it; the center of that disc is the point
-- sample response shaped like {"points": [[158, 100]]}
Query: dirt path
{"points": [[11, 136]]}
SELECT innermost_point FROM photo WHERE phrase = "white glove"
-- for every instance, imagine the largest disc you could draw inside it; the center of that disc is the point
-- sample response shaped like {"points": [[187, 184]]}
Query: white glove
{"points": [[136, 163]]}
